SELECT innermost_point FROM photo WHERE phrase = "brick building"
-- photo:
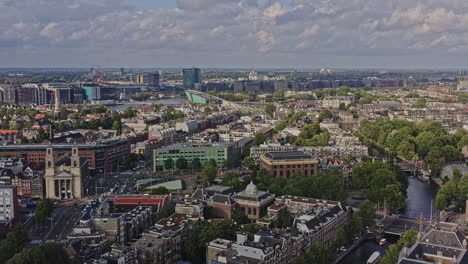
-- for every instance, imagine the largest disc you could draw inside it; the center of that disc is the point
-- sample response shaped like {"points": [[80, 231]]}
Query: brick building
{"points": [[285, 164], [103, 156]]}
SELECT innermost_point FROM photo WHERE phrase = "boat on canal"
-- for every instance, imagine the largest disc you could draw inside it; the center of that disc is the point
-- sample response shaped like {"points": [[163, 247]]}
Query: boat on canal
{"points": [[374, 258]]}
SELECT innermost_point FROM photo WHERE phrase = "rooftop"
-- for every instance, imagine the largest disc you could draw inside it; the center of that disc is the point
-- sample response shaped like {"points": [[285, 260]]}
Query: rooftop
{"points": [[193, 145], [288, 155]]}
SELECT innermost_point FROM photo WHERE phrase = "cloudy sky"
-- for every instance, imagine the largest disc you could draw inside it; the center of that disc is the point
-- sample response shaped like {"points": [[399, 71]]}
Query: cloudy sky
{"points": [[234, 33]]}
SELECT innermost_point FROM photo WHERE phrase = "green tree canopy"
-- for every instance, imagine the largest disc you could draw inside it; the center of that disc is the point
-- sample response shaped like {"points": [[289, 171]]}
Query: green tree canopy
{"points": [[49, 253], [196, 164], [13, 243], [208, 174], [270, 109], [169, 164], [181, 163], [325, 114], [160, 191]]}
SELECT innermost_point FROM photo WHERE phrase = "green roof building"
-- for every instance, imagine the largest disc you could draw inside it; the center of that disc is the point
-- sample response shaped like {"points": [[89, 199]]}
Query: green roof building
{"points": [[204, 152]]}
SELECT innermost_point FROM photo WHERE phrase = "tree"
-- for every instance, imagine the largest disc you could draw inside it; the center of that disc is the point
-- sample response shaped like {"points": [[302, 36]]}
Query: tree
{"points": [[13, 243], [270, 109], [43, 210], [394, 197], [208, 174], [463, 142], [196, 164], [409, 238], [249, 162], [240, 218], [232, 179], [165, 213], [406, 150], [393, 252], [116, 125], [203, 232], [226, 164], [285, 219], [49, 253], [454, 191], [107, 247], [420, 103], [325, 114], [367, 213], [316, 254], [250, 229], [160, 191], [99, 109], [342, 107], [259, 139], [169, 164], [181, 163], [41, 135], [450, 153], [434, 161]]}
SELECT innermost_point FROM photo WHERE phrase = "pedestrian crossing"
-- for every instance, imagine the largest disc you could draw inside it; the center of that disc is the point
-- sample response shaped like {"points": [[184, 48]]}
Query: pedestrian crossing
{"points": [[36, 242], [39, 241]]}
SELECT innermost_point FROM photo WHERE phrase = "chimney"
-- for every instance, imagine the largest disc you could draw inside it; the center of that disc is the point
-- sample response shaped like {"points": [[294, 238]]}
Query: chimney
{"points": [[241, 238]]}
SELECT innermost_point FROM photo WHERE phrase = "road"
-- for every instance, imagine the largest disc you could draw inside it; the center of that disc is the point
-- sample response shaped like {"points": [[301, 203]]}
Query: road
{"points": [[67, 214]]}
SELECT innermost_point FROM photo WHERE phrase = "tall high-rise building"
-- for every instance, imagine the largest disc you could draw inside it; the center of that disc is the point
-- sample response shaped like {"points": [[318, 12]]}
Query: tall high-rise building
{"points": [[151, 79], [192, 78]]}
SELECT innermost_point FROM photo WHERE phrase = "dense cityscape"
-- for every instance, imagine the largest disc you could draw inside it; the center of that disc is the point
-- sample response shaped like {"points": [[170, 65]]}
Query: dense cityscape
{"points": [[233, 132], [233, 166]]}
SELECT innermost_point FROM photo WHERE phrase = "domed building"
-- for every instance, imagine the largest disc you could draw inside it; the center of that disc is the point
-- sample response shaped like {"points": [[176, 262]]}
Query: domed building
{"points": [[254, 203]]}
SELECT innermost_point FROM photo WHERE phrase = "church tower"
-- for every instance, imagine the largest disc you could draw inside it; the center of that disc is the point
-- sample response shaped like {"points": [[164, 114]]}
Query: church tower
{"points": [[75, 169], [51, 188], [49, 161]]}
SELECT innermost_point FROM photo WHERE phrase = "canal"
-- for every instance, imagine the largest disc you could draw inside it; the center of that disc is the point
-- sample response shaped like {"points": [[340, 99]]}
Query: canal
{"points": [[418, 201], [166, 102]]}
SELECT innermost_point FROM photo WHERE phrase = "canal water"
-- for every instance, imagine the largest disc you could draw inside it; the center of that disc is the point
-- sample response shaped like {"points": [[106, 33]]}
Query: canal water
{"points": [[166, 102], [418, 201]]}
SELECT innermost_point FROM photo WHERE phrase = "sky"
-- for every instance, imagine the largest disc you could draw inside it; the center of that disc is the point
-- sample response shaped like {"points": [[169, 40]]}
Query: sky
{"points": [[234, 33]]}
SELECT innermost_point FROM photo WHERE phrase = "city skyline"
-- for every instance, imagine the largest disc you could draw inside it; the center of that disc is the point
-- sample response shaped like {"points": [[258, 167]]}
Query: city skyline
{"points": [[234, 34]]}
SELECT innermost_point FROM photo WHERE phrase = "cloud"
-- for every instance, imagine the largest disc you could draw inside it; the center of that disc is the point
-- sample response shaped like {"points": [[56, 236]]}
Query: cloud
{"points": [[237, 31]]}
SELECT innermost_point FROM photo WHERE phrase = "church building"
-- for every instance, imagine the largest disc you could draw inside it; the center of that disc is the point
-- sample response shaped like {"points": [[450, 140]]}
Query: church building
{"points": [[64, 177]]}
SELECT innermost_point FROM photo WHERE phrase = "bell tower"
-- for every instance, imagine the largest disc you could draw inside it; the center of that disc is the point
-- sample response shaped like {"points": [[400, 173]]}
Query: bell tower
{"points": [[75, 169], [75, 158], [49, 161], [52, 188]]}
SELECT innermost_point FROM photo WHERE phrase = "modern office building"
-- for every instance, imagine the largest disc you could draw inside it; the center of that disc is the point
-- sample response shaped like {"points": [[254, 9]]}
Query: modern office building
{"points": [[204, 152], [150, 79], [32, 94], [8, 94], [285, 164], [192, 78]]}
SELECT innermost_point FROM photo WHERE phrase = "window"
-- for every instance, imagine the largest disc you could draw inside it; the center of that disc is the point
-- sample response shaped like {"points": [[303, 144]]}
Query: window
{"points": [[250, 211], [255, 211]]}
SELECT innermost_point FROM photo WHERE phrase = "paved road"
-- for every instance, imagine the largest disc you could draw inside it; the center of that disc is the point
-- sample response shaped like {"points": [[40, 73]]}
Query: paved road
{"points": [[67, 214]]}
